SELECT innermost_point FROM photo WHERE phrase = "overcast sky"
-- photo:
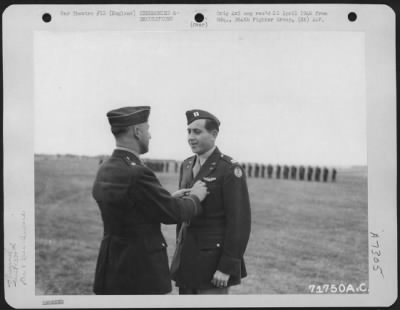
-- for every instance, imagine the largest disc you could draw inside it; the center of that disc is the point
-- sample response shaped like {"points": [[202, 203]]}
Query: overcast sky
{"points": [[281, 97]]}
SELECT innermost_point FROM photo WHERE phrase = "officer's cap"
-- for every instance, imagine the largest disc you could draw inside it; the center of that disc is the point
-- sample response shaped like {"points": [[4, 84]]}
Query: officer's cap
{"points": [[128, 116], [193, 115]]}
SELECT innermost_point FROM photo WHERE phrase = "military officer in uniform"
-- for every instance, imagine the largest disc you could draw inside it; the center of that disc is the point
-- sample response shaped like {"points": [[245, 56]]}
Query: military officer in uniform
{"points": [[263, 171], [249, 169], [317, 173], [256, 170], [301, 172], [293, 172], [285, 172], [310, 173], [132, 257], [325, 172], [278, 171], [333, 175], [244, 167], [209, 256], [270, 170]]}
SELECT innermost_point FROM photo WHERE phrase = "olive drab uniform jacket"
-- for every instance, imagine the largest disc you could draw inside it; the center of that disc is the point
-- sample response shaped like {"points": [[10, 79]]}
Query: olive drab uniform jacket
{"points": [[217, 239], [132, 257]]}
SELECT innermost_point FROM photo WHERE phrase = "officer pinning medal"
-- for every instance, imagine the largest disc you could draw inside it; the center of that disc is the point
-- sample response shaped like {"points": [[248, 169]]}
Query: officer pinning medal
{"points": [[132, 256], [211, 209]]}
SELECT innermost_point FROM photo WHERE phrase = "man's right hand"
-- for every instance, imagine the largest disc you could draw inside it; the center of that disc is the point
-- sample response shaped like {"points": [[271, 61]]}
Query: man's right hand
{"points": [[199, 189], [181, 192]]}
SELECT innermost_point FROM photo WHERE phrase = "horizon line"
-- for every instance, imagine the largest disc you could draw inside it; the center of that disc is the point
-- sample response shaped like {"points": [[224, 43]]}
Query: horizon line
{"points": [[241, 162]]}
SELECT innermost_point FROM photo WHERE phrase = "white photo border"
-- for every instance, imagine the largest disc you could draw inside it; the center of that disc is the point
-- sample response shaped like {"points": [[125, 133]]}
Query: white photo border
{"points": [[19, 25]]}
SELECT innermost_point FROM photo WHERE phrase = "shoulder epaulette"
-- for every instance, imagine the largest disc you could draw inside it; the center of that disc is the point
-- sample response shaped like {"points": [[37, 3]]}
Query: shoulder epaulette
{"points": [[128, 161], [229, 159]]}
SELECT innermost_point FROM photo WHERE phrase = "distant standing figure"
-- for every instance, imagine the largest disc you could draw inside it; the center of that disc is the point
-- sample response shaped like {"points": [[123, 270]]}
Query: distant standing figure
{"points": [[333, 175], [278, 172], [310, 173], [263, 171], [285, 172], [256, 170], [270, 170], [249, 169], [293, 172], [301, 172], [325, 174], [317, 173]]}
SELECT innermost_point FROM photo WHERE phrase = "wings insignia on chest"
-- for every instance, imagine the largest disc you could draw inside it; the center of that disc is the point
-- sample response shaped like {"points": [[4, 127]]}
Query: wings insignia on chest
{"points": [[206, 179]]}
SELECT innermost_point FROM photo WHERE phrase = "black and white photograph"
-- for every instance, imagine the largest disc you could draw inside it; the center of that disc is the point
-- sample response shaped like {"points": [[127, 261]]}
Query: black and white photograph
{"points": [[200, 150]]}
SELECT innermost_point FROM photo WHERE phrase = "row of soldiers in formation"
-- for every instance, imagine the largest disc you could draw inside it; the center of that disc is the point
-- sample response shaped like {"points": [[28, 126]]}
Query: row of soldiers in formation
{"points": [[261, 171], [290, 172]]}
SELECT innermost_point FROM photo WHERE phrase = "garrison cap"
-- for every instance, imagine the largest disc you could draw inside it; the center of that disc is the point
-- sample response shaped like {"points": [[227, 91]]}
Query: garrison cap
{"points": [[128, 116], [193, 115]]}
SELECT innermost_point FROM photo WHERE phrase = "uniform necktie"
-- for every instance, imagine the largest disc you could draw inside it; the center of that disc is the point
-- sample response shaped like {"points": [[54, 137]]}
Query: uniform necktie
{"points": [[196, 167]]}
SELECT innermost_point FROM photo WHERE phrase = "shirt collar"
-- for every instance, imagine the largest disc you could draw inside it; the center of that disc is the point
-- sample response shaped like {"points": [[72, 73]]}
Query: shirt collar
{"points": [[127, 150], [204, 157]]}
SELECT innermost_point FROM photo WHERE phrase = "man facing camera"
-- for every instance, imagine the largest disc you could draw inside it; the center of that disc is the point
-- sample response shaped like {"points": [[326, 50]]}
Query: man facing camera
{"points": [[132, 257], [209, 255]]}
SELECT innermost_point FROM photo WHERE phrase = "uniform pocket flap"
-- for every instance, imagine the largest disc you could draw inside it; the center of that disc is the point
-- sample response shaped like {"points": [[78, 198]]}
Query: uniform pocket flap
{"points": [[210, 243], [155, 244]]}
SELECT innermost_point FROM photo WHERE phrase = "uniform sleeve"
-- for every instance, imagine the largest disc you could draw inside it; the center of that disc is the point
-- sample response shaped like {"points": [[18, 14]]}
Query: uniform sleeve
{"points": [[180, 176], [238, 221], [158, 204], [178, 226]]}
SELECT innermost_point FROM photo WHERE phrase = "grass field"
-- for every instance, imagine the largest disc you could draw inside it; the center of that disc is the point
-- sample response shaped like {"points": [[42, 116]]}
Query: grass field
{"points": [[303, 233]]}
